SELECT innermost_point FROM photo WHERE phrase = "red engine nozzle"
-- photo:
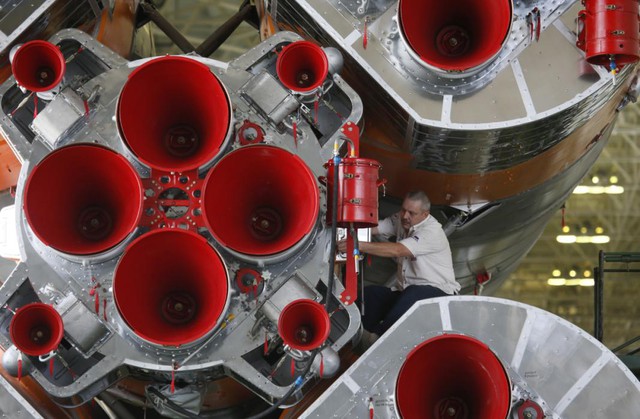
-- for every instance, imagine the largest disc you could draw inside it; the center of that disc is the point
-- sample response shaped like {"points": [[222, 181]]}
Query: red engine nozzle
{"points": [[36, 329], [455, 36], [302, 66], [38, 66], [174, 114], [260, 200], [171, 287], [83, 199], [453, 377], [304, 325]]}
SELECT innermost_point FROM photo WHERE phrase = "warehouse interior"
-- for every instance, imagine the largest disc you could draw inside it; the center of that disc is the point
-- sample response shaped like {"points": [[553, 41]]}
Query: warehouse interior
{"points": [[584, 267]]}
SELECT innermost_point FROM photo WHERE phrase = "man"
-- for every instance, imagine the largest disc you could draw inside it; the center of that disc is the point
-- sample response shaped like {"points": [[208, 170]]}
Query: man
{"points": [[425, 268]]}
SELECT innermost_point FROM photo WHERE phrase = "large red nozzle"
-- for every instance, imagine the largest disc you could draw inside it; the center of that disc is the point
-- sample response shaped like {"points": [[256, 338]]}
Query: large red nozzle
{"points": [[174, 114], [38, 66], [36, 329], [83, 199], [260, 200], [304, 325], [171, 287], [455, 36], [453, 377], [302, 66]]}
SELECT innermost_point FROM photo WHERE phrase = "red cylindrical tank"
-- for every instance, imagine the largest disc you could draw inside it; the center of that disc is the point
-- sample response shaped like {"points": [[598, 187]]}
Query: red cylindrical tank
{"points": [[453, 376], [36, 329], [358, 184], [611, 32]]}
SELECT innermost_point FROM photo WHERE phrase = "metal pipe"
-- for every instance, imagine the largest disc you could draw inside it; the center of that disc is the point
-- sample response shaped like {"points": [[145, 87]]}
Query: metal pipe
{"points": [[165, 26], [213, 42]]}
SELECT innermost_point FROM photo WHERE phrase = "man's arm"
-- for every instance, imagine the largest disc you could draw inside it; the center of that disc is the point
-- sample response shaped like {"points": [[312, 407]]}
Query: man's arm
{"points": [[385, 249]]}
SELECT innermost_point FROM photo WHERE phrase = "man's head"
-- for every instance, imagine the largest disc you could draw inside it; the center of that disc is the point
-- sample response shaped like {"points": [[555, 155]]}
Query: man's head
{"points": [[415, 209]]}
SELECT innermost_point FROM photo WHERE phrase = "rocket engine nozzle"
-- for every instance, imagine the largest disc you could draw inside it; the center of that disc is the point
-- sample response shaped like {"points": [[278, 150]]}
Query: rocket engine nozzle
{"points": [[36, 329], [174, 114], [302, 66], [455, 36], [38, 66], [260, 200], [304, 324], [453, 376], [83, 199], [171, 287]]}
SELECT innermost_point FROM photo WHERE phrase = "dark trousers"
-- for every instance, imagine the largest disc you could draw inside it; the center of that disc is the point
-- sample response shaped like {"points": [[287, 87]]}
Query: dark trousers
{"points": [[383, 307]]}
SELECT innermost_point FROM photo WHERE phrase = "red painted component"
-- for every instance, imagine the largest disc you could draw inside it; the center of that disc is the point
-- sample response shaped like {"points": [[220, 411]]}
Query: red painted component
{"points": [[174, 114], [350, 293], [260, 200], [304, 324], [302, 66], [530, 410], [36, 329], [38, 66], [250, 133], [453, 376], [173, 200], [610, 32], [455, 36], [171, 287], [83, 199], [249, 281], [358, 184]]}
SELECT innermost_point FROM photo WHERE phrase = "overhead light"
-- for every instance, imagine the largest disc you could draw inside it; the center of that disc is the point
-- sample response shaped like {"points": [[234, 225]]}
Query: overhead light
{"points": [[598, 190], [572, 273], [566, 229], [556, 273], [556, 282], [595, 179], [566, 238], [599, 230], [586, 273], [601, 239], [570, 239], [613, 189], [559, 282], [613, 179]]}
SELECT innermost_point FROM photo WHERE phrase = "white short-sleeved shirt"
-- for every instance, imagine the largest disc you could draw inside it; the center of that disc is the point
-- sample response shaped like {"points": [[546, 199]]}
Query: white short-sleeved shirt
{"points": [[431, 263]]}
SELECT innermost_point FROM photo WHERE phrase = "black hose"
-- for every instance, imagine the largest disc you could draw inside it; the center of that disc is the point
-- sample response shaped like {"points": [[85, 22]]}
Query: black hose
{"points": [[334, 232]]}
